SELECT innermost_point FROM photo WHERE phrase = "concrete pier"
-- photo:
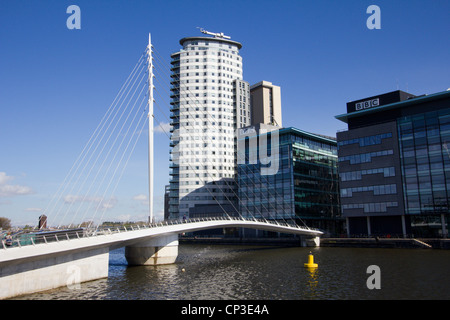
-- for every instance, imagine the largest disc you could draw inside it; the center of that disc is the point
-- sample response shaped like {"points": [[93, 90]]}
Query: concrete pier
{"points": [[53, 271], [156, 251]]}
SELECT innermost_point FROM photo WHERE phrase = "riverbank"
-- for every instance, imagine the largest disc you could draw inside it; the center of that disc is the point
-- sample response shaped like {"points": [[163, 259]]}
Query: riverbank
{"points": [[325, 242], [386, 243]]}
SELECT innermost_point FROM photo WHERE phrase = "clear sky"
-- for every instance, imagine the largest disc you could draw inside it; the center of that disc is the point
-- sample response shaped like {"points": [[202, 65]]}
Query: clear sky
{"points": [[56, 83]]}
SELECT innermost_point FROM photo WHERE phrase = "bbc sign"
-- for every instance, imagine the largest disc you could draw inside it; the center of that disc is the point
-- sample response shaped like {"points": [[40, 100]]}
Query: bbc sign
{"points": [[367, 104]]}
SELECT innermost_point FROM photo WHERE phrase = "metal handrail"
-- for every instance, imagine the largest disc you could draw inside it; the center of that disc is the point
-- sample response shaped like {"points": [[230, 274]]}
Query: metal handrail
{"points": [[74, 234]]}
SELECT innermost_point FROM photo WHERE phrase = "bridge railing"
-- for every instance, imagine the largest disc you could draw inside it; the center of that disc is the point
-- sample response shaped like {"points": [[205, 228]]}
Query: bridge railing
{"points": [[26, 239]]}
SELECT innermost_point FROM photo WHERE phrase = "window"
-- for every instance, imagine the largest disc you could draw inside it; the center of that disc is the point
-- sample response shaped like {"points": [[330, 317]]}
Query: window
{"points": [[377, 190], [366, 141], [371, 207], [365, 157], [358, 175]]}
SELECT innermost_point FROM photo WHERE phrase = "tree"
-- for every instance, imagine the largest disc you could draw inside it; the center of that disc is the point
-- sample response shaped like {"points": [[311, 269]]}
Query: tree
{"points": [[5, 223]]}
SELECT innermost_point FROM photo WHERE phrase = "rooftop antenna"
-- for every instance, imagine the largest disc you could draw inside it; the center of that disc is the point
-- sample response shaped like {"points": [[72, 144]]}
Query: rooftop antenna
{"points": [[216, 35]]}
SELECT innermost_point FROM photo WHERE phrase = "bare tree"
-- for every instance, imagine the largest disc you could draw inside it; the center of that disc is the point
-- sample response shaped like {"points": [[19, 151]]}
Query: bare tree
{"points": [[5, 223]]}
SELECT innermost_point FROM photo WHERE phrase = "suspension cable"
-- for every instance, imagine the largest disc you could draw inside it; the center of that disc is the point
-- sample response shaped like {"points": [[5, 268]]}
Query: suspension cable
{"points": [[267, 210]]}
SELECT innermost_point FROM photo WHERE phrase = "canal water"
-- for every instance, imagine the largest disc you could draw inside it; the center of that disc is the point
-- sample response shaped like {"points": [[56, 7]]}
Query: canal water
{"points": [[210, 272]]}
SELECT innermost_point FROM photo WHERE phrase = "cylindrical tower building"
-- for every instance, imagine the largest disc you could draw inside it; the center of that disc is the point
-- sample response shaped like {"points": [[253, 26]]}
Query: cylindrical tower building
{"points": [[206, 74]]}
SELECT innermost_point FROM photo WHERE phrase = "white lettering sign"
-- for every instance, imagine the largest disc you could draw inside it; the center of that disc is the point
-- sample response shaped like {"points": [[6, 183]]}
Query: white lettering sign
{"points": [[367, 104]]}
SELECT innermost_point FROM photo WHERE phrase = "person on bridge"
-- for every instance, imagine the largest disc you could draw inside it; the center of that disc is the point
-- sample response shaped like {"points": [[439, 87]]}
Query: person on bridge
{"points": [[8, 238]]}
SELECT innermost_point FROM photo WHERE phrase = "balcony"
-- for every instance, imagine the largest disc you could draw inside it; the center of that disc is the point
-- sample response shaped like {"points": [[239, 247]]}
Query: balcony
{"points": [[175, 68], [174, 93]]}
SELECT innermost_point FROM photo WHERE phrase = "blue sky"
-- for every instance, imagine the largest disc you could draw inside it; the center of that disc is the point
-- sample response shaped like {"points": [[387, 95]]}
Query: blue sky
{"points": [[56, 83]]}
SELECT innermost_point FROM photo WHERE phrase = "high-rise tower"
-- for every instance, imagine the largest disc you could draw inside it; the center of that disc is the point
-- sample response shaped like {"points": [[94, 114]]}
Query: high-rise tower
{"points": [[208, 96], [266, 103]]}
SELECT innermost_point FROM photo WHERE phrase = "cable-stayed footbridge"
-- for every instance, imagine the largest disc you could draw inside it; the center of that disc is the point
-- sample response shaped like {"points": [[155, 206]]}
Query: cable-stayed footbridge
{"points": [[71, 257], [71, 254]]}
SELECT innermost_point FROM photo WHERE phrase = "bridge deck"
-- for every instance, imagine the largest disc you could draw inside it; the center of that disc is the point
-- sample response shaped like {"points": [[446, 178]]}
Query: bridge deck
{"points": [[116, 238]]}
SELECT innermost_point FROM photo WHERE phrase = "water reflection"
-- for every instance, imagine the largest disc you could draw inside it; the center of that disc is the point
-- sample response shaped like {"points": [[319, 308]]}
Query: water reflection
{"points": [[313, 281]]}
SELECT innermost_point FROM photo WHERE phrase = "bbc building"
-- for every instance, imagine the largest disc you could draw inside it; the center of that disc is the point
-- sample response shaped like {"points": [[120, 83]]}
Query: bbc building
{"points": [[394, 165]]}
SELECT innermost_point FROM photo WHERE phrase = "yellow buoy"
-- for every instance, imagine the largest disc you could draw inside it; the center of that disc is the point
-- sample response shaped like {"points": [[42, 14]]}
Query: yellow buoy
{"points": [[310, 263]]}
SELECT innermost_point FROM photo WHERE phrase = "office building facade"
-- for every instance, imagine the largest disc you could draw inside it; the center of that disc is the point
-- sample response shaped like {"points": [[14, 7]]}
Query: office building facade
{"points": [[208, 96], [394, 165], [304, 185]]}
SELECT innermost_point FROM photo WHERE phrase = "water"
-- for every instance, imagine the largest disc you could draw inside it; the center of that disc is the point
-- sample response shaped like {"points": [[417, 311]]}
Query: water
{"points": [[264, 273]]}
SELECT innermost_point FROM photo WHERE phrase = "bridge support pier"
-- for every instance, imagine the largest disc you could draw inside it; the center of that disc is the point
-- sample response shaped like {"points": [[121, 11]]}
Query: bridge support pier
{"points": [[52, 270], [156, 251], [311, 242]]}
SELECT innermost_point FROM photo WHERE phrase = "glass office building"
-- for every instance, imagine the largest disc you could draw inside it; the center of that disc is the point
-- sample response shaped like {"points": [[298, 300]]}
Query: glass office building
{"points": [[425, 158], [394, 165], [302, 188]]}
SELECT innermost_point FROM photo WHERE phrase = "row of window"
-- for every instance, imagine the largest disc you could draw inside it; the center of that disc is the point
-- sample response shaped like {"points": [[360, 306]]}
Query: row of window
{"points": [[266, 201], [200, 198], [366, 141], [365, 157], [377, 190], [209, 60], [185, 146], [187, 88], [213, 74], [371, 207], [204, 123], [203, 160], [206, 168], [357, 175], [184, 192], [311, 144], [222, 52], [313, 157], [197, 67], [176, 83], [206, 116], [205, 108], [196, 102], [206, 175]]}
